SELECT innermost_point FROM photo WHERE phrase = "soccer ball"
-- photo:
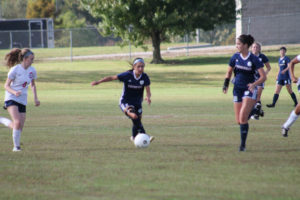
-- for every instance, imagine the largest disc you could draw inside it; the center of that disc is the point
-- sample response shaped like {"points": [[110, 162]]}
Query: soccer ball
{"points": [[142, 140]]}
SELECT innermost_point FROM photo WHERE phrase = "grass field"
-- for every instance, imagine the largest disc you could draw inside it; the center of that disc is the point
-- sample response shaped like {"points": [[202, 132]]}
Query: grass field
{"points": [[76, 145]]}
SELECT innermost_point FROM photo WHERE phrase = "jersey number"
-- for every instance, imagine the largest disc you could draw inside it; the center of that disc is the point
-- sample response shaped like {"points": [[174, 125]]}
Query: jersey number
{"points": [[24, 84]]}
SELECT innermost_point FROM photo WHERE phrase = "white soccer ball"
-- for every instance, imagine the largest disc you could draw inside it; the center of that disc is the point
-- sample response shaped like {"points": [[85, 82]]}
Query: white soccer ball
{"points": [[142, 140]]}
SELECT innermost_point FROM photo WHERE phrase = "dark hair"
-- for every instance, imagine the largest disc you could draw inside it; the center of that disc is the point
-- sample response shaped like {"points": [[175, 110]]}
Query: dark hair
{"points": [[16, 56], [131, 63], [246, 39], [283, 48]]}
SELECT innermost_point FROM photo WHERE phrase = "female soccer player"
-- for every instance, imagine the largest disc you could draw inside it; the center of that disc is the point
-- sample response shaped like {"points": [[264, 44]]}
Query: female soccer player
{"points": [[135, 80], [283, 78], [256, 50], [296, 112], [244, 64], [16, 86]]}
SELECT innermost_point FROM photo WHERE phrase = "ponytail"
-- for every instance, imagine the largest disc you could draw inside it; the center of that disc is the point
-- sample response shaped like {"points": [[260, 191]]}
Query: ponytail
{"points": [[246, 39], [16, 55]]}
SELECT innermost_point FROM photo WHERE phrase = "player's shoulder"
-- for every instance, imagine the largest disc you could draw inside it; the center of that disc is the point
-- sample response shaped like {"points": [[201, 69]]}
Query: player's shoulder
{"points": [[145, 75], [253, 57], [31, 68], [236, 55]]}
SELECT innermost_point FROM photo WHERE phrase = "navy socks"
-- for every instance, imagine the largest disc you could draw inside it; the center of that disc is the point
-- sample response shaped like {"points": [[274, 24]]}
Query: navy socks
{"points": [[275, 98], [244, 132], [137, 127], [294, 98]]}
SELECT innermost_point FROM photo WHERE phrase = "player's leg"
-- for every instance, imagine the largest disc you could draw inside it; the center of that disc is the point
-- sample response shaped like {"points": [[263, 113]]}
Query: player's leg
{"points": [[6, 122], [289, 122], [257, 111], [237, 108], [290, 91], [246, 108], [276, 96], [15, 115]]}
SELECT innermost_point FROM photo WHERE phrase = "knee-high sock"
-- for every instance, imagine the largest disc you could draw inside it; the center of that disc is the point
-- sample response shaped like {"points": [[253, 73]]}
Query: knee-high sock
{"points": [[292, 118], [275, 98], [6, 122], [244, 132], [16, 137], [137, 127], [294, 98]]}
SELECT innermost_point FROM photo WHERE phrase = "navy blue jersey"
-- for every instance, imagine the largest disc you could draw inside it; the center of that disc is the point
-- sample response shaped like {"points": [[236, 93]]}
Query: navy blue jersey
{"points": [[244, 69], [133, 88], [283, 64], [264, 59]]}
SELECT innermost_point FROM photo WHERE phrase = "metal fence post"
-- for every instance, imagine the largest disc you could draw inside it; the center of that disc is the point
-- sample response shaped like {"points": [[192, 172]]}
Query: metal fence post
{"points": [[11, 40], [71, 53], [187, 44]]}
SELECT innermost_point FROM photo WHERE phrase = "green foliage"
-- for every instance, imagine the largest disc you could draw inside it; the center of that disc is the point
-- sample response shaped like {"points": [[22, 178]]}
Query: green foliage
{"points": [[13, 9], [40, 9], [157, 19]]}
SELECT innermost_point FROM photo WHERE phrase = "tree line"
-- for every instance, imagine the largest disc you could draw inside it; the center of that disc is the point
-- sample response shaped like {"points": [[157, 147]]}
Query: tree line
{"points": [[134, 20]]}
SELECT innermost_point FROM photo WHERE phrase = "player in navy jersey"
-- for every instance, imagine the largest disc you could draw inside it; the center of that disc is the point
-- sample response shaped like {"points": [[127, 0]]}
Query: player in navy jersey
{"points": [[256, 50], [135, 80], [283, 78], [244, 64], [296, 112]]}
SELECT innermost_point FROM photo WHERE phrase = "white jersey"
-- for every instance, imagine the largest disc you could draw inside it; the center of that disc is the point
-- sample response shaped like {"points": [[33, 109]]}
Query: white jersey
{"points": [[298, 57], [21, 78]]}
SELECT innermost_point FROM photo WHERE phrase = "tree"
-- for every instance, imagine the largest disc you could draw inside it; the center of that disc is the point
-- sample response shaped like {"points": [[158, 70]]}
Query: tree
{"points": [[13, 9], [40, 9], [158, 19]]}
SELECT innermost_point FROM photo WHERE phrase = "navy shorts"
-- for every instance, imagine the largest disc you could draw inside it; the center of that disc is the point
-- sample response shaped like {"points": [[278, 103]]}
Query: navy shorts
{"points": [[21, 107], [262, 85], [138, 108], [239, 94], [284, 82]]}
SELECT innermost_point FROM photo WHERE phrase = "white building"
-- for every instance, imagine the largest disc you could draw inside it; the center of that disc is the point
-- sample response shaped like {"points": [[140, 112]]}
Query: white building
{"points": [[269, 21]]}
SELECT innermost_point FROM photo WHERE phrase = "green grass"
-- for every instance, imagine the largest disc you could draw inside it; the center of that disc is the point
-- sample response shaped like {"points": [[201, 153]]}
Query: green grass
{"points": [[76, 145], [85, 51]]}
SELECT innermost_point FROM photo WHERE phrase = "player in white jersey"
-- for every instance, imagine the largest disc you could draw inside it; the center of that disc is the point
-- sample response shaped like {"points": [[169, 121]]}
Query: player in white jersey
{"points": [[296, 112], [20, 75]]}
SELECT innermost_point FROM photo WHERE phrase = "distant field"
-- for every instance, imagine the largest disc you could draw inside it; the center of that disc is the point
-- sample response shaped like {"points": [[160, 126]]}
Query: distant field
{"points": [[76, 145], [84, 51]]}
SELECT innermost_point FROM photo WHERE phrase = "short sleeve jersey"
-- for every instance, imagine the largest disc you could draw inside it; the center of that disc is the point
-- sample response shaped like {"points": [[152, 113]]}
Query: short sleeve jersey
{"points": [[298, 58], [264, 59], [133, 88], [244, 69], [283, 64], [21, 78]]}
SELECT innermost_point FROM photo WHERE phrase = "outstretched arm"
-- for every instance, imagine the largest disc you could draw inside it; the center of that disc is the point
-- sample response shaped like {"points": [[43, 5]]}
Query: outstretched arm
{"points": [[105, 79], [268, 67], [261, 79], [33, 87], [291, 67], [148, 96], [9, 89]]}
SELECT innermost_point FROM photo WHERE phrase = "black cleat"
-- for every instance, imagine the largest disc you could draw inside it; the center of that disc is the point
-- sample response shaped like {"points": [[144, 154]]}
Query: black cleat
{"points": [[261, 113], [242, 149], [270, 105], [284, 131]]}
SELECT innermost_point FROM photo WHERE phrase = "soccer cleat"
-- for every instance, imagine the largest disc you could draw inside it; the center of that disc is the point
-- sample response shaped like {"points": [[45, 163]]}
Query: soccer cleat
{"points": [[151, 138], [242, 149], [16, 149], [270, 105], [255, 116], [261, 113], [132, 139], [284, 131]]}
